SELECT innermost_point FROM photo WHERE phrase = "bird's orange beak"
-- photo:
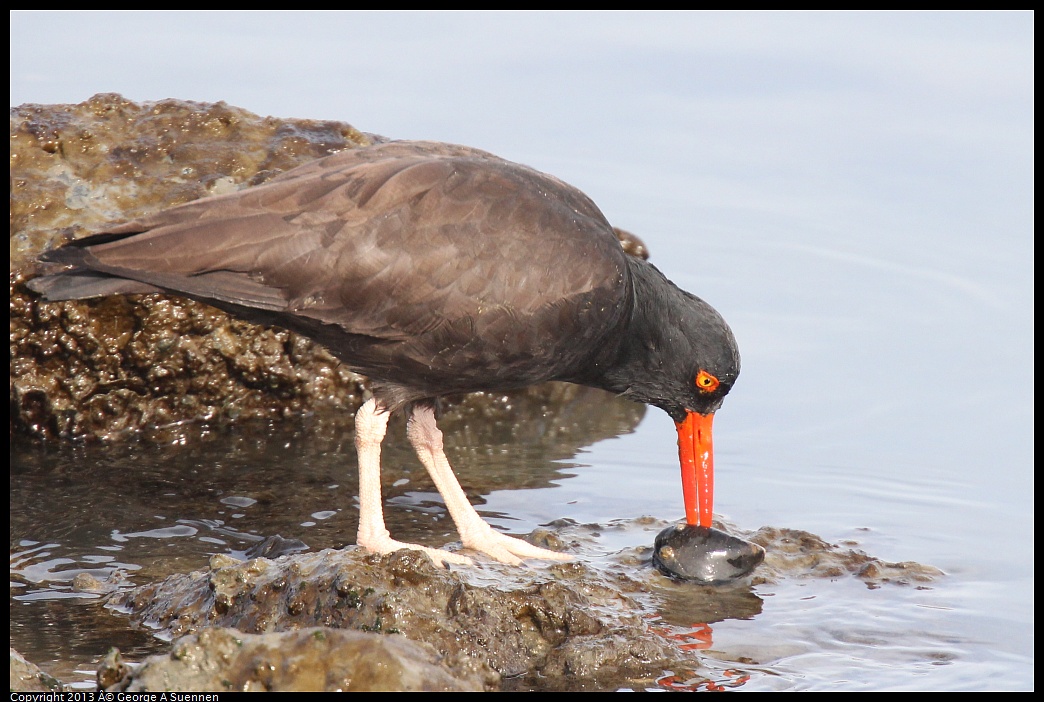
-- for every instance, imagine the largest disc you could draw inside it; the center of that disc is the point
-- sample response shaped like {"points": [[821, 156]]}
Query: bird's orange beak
{"points": [[696, 451]]}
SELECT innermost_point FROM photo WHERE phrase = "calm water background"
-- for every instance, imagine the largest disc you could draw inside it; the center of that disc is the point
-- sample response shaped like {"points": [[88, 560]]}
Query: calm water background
{"points": [[852, 191]]}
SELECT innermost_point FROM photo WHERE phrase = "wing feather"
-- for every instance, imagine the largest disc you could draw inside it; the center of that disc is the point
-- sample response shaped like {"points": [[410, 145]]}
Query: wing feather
{"points": [[392, 242]]}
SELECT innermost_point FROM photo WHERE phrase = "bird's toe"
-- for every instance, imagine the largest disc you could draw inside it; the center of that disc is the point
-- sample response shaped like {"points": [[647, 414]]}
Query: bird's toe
{"points": [[511, 550], [438, 556]]}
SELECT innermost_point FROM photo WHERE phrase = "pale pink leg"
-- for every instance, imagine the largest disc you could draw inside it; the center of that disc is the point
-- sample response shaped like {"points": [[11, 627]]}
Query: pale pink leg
{"points": [[475, 533], [371, 423]]}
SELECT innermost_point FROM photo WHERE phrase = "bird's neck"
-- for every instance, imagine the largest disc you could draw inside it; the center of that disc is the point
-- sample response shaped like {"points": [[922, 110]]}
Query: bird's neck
{"points": [[626, 366]]}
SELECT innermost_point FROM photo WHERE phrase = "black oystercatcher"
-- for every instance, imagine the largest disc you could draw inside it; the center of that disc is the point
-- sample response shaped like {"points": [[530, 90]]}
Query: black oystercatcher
{"points": [[434, 269]]}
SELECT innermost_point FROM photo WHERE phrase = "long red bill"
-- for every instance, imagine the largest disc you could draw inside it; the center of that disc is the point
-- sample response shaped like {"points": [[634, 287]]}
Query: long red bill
{"points": [[696, 451]]}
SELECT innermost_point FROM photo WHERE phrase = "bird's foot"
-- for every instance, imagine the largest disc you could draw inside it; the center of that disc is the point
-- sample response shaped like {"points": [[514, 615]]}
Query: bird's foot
{"points": [[385, 545], [507, 549], [499, 547]]}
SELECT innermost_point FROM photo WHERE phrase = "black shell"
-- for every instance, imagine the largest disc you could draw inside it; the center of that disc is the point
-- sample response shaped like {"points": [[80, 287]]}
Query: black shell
{"points": [[704, 555]]}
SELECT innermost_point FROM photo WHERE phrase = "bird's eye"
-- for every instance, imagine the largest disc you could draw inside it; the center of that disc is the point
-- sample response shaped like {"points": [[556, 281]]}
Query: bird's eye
{"points": [[706, 382]]}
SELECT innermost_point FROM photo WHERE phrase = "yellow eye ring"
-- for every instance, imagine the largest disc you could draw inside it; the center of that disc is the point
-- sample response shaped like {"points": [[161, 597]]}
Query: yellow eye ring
{"points": [[706, 382]]}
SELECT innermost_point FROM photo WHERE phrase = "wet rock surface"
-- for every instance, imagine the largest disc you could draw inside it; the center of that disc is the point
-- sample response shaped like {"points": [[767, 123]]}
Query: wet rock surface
{"points": [[316, 659], [111, 367], [598, 623], [534, 626], [566, 626], [27, 677], [792, 552]]}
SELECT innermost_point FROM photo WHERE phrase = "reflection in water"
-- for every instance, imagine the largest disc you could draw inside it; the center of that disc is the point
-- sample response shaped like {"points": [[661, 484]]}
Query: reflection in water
{"points": [[133, 513], [698, 606], [142, 509]]}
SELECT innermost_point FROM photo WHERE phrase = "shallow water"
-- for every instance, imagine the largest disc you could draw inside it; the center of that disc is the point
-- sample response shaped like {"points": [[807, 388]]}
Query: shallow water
{"points": [[852, 191], [148, 510]]}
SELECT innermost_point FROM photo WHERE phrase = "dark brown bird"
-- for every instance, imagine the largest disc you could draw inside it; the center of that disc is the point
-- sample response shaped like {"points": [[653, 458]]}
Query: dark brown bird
{"points": [[434, 269]]}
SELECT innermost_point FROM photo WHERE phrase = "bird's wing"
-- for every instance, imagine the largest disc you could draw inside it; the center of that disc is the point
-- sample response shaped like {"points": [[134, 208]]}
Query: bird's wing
{"points": [[389, 242]]}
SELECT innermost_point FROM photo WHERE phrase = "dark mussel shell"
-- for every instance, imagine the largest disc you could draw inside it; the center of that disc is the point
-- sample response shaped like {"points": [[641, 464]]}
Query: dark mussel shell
{"points": [[704, 555]]}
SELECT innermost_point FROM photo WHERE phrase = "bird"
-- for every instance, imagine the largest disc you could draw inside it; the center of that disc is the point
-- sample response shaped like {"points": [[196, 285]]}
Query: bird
{"points": [[433, 269]]}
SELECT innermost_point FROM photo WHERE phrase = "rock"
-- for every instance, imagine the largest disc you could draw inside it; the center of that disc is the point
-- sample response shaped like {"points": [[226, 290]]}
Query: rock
{"points": [[534, 626], [308, 660], [113, 367], [27, 677]]}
